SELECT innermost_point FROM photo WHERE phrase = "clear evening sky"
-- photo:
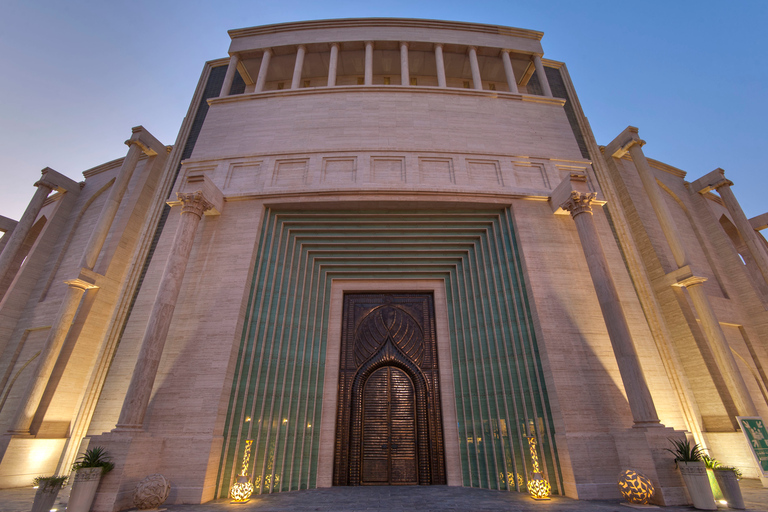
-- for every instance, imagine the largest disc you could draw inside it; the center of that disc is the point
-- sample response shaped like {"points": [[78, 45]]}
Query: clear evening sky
{"points": [[77, 75]]}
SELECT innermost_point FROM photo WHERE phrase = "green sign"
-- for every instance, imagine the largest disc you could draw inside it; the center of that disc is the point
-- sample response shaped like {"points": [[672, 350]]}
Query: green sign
{"points": [[757, 437]]}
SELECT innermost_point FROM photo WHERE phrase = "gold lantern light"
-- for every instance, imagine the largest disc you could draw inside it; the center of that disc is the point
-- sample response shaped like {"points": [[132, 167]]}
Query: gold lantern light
{"points": [[636, 487], [241, 491], [538, 487]]}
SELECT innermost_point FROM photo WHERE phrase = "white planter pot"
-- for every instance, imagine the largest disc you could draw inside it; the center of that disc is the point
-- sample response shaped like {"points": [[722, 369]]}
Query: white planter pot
{"points": [[45, 497], [729, 485], [697, 483], [84, 489]]}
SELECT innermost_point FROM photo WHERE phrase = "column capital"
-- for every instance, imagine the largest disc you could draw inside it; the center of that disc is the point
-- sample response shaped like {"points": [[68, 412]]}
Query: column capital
{"points": [[405, 43], [438, 45], [711, 181], [367, 43], [146, 141], [579, 202], [505, 50], [573, 196], [337, 45], [619, 146], [42, 182], [471, 48], [199, 184], [690, 281], [194, 202], [81, 284]]}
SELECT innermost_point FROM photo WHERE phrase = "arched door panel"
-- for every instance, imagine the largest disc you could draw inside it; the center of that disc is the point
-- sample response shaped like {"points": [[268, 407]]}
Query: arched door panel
{"points": [[389, 429]]}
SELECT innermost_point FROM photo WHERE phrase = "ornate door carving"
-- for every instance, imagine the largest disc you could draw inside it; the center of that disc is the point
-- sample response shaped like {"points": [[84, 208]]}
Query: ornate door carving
{"points": [[389, 426]]}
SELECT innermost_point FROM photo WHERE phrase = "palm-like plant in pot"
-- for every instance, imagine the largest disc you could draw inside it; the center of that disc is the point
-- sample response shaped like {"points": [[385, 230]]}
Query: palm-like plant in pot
{"points": [[88, 470], [688, 458], [48, 488]]}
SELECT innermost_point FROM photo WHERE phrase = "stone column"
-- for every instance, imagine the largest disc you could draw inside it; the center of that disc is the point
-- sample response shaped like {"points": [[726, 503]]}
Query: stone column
{"points": [[716, 180], [719, 346], [6, 226], [109, 210], [140, 140], [333, 64], [405, 72], [542, 76], [24, 225], [440, 65], [659, 205], [368, 62], [579, 203], [234, 60], [135, 405], [511, 80], [477, 83], [261, 79], [298, 66], [683, 277], [49, 355]]}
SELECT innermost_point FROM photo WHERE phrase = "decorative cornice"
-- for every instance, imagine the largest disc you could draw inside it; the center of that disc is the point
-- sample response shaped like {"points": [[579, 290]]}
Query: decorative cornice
{"points": [[385, 22], [339, 89]]}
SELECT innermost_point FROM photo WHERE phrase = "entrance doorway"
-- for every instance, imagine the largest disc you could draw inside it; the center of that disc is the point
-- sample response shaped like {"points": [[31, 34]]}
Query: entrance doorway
{"points": [[389, 425], [389, 428]]}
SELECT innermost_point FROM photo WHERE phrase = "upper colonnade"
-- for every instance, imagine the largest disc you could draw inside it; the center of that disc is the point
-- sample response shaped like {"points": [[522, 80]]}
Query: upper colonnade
{"points": [[402, 52]]}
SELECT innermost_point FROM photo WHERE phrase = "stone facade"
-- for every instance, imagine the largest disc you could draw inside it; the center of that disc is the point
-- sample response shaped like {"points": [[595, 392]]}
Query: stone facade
{"points": [[185, 299]]}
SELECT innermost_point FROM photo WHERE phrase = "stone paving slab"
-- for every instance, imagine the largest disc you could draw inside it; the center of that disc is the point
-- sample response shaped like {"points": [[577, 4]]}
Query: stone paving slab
{"points": [[406, 498]]}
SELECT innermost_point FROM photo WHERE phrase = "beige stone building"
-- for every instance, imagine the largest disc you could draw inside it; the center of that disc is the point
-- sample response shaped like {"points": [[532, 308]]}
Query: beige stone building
{"points": [[385, 251]]}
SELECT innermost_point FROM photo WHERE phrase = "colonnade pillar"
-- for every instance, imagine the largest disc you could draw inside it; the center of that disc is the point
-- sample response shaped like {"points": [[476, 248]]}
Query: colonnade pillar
{"points": [[50, 354], [683, 277], [477, 82], [716, 180], [440, 65], [405, 72], [573, 196], [298, 66], [511, 80], [542, 76], [193, 206], [234, 60], [20, 232], [369, 63], [87, 280], [333, 64], [261, 79]]}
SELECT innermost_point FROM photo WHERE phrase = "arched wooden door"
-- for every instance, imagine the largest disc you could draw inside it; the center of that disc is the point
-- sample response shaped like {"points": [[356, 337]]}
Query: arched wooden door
{"points": [[389, 429], [388, 423]]}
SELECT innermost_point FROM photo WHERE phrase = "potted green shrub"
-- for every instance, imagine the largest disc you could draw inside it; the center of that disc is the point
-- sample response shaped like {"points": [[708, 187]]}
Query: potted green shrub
{"points": [[48, 488], [689, 461], [711, 465], [88, 470], [728, 480]]}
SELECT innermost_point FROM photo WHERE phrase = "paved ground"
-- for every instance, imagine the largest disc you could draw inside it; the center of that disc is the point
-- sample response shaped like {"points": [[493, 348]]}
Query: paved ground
{"points": [[421, 499]]}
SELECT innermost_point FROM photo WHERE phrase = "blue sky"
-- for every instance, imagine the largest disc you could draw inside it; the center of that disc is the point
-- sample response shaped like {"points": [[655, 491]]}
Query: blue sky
{"points": [[77, 75]]}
